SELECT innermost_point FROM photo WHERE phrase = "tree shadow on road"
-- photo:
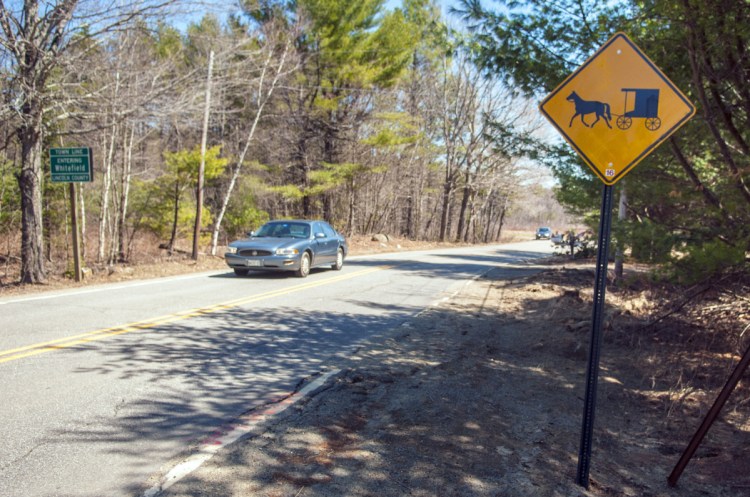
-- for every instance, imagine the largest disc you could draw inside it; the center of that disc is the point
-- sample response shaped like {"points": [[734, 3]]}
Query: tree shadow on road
{"points": [[480, 397]]}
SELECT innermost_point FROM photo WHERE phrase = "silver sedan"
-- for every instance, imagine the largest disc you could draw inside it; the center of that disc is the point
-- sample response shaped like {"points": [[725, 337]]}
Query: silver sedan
{"points": [[288, 245]]}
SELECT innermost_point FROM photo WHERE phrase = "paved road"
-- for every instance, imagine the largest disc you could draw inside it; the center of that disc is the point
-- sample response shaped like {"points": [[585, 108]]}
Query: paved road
{"points": [[104, 389]]}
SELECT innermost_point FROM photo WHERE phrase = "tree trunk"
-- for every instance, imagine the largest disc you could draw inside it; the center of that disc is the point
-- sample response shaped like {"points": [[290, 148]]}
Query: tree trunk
{"points": [[501, 220], [106, 185], [127, 166], [20, 43], [462, 225], [104, 209], [306, 200], [173, 237], [471, 221], [352, 204], [328, 207], [445, 212], [488, 221], [202, 167], [620, 252], [30, 184], [408, 229]]}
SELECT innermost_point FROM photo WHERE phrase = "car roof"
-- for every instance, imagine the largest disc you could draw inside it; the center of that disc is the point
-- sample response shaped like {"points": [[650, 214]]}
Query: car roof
{"points": [[308, 221]]}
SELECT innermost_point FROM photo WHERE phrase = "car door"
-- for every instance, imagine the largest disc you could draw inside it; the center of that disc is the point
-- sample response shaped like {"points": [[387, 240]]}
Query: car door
{"points": [[325, 239], [332, 240]]}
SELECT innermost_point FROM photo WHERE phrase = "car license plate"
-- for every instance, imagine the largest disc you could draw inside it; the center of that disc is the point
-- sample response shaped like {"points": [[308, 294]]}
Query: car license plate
{"points": [[252, 263]]}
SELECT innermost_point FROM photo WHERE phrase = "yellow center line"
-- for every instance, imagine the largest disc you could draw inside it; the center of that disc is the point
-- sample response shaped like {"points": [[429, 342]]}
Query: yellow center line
{"points": [[91, 336]]}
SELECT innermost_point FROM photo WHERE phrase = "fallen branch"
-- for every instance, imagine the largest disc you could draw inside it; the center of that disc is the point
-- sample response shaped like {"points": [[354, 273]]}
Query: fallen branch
{"points": [[703, 287]]}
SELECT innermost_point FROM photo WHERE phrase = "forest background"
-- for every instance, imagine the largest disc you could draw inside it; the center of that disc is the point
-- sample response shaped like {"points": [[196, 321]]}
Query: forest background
{"points": [[374, 116]]}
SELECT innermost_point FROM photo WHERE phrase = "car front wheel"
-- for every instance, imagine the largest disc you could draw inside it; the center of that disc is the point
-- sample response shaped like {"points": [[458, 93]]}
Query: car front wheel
{"points": [[304, 266]]}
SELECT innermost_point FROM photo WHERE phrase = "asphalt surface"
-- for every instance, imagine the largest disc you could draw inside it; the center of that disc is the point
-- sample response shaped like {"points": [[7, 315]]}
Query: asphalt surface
{"points": [[106, 390]]}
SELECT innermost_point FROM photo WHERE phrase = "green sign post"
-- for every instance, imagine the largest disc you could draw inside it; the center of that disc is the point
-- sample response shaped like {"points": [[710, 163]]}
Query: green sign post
{"points": [[72, 165]]}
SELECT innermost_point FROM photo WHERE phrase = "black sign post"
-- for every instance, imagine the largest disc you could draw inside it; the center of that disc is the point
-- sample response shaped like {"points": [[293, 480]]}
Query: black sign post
{"points": [[619, 68], [592, 371]]}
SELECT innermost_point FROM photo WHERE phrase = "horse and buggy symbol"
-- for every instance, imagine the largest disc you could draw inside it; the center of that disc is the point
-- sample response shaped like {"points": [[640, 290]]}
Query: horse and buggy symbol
{"points": [[645, 106]]}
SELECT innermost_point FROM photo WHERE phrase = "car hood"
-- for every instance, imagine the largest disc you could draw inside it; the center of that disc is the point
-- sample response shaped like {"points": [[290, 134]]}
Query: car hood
{"points": [[266, 243]]}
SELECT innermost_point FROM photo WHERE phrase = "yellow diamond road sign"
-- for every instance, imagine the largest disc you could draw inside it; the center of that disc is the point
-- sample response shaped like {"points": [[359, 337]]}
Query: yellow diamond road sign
{"points": [[616, 108]]}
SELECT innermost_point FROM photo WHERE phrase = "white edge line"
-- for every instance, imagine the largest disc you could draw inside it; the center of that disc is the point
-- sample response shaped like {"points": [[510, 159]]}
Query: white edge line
{"points": [[106, 287], [240, 427]]}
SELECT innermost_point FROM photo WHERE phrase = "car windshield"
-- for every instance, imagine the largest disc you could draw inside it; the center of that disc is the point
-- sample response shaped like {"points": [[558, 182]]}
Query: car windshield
{"points": [[284, 230]]}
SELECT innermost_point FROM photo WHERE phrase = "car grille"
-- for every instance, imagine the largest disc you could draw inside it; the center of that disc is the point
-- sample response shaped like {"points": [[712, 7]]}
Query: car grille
{"points": [[254, 253]]}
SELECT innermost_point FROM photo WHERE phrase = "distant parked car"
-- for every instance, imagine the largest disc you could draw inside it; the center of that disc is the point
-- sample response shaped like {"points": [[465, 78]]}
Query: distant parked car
{"points": [[543, 232], [293, 245]]}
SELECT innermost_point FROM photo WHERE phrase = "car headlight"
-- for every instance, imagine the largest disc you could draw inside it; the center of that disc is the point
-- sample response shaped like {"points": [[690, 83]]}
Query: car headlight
{"points": [[231, 250], [287, 251]]}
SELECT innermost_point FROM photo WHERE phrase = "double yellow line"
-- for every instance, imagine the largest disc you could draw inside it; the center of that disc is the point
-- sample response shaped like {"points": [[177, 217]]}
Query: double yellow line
{"points": [[91, 336]]}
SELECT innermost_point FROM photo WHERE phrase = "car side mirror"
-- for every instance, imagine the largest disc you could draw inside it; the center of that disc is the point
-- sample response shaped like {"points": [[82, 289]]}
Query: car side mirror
{"points": [[251, 233], [320, 235]]}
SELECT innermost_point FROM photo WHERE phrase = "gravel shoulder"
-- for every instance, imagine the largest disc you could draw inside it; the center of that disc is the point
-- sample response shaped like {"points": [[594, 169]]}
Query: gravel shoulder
{"points": [[482, 395]]}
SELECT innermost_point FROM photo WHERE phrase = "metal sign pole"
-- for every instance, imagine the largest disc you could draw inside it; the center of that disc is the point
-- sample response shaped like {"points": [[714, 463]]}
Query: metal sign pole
{"points": [[618, 66], [713, 413], [592, 373]]}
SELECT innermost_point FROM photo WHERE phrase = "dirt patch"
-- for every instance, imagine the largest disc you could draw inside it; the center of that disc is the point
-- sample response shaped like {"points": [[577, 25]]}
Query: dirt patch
{"points": [[483, 396]]}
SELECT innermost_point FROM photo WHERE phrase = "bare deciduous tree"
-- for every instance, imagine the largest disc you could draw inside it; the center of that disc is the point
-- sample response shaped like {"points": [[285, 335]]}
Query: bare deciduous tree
{"points": [[267, 66], [36, 36]]}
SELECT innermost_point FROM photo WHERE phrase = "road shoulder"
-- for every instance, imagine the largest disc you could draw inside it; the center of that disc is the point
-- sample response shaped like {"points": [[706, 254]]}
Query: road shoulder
{"points": [[478, 396]]}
